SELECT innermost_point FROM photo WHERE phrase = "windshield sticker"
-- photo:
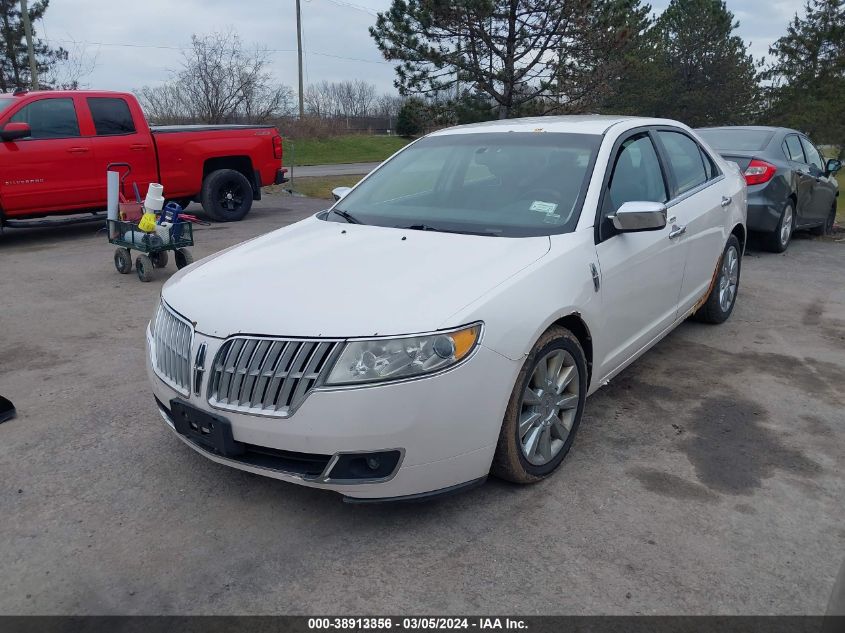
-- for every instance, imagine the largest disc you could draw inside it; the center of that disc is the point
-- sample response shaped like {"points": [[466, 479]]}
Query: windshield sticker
{"points": [[543, 207]]}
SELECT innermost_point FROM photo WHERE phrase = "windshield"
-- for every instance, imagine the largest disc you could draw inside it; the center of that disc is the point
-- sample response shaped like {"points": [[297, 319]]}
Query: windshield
{"points": [[5, 102], [737, 139], [507, 184]]}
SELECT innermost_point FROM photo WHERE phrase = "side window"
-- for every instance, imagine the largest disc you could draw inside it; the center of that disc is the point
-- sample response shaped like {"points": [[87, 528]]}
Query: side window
{"points": [[111, 116], [685, 160], [636, 175], [710, 169], [792, 149], [813, 156], [49, 118]]}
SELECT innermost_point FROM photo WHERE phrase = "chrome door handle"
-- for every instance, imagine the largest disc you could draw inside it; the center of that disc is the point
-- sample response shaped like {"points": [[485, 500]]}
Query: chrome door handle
{"points": [[725, 201], [677, 231]]}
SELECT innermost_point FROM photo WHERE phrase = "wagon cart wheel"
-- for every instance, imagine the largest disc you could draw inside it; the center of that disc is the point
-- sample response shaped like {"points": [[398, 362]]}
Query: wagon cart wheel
{"points": [[144, 268], [123, 260], [183, 257], [159, 259]]}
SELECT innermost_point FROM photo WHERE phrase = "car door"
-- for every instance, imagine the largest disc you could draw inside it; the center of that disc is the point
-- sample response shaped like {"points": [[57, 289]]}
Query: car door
{"points": [[116, 140], [698, 205], [53, 168], [804, 180], [823, 189], [641, 272]]}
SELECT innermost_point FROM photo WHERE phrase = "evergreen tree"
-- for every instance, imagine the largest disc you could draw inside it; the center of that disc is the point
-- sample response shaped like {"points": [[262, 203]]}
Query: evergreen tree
{"points": [[807, 77], [14, 62]]}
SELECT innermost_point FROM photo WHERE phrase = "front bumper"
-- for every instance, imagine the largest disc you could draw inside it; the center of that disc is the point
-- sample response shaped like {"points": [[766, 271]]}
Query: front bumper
{"points": [[446, 425]]}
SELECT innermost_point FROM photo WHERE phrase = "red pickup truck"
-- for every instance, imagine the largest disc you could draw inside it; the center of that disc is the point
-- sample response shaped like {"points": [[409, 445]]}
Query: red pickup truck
{"points": [[55, 146]]}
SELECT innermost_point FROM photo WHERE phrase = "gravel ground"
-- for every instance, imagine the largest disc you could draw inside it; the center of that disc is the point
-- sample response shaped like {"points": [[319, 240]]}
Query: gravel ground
{"points": [[707, 478]]}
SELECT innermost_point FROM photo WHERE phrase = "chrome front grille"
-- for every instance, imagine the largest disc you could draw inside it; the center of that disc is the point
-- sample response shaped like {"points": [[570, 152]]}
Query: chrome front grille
{"points": [[267, 376], [172, 338]]}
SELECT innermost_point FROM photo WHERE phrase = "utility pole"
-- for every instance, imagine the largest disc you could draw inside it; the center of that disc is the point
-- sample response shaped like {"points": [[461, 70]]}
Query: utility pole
{"points": [[299, 52], [27, 27]]}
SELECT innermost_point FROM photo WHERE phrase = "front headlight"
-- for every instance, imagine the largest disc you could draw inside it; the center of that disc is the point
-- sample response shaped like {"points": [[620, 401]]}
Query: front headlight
{"points": [[378, 360]]}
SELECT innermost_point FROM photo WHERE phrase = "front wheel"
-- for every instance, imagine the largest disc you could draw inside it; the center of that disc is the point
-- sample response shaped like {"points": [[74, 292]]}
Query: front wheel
{"points": [[183, 258], [144, 268], [722, 298], [544, 410], [827, 227], [226, 195]]}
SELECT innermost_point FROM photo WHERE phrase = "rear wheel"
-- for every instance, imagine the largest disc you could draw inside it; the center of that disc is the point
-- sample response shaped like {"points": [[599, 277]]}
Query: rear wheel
{"points": [[722, 298], [159, 259], [226, 195], [183, 258], [778, 240], [544, 410]]}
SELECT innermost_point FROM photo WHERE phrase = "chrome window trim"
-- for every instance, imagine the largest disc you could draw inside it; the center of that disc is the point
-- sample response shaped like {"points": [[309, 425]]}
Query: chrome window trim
{"points": [[694, 190]]}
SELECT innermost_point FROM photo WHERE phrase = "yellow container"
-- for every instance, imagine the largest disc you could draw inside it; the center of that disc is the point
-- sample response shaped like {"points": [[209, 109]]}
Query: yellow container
{"points": [[148, 222]]}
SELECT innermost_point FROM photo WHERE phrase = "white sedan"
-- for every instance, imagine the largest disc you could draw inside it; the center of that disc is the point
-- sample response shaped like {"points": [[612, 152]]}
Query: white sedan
{"points": [[449, 315]]}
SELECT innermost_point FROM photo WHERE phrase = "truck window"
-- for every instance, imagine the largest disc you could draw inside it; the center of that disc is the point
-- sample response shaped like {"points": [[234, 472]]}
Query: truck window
{"points": [[49, 118], [111, 116]]}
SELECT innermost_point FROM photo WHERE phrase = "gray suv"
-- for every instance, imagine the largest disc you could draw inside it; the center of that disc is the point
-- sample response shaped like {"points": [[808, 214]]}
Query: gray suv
{"points": [[790, 186]]}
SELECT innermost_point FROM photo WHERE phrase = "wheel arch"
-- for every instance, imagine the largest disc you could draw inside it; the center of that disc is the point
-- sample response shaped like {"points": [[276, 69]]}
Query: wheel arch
{"points": [[741, 234], [579, 328]]}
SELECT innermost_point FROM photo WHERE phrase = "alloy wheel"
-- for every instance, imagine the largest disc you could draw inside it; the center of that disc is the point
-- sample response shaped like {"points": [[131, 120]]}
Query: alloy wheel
{"points": [[729, 278], [548, 407], [231, 196], [786, 226]]}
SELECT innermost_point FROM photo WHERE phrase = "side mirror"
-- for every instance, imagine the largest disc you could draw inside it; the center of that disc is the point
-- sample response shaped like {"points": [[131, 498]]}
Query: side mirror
{"points": [[640, 216], [340, 192], [832, 166], [15, 130]]}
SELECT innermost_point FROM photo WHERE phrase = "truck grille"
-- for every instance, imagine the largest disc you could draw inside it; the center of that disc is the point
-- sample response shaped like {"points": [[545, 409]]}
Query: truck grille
{"points": [[267, 376], [172, 338]]}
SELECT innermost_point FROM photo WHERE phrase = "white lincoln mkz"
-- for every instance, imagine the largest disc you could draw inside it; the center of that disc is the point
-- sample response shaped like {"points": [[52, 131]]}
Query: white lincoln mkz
{"points": [[449, 315]]}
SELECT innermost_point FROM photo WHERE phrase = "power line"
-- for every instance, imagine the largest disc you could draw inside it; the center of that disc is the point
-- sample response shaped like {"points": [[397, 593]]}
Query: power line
{"points": [[357, 7]]}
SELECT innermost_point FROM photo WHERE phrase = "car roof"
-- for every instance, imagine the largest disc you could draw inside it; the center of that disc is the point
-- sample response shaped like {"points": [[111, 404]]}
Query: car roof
{"points": [[575, 124], [752, 128]]}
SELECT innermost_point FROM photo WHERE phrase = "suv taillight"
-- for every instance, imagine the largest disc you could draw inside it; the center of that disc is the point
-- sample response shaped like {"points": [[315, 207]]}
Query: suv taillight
{"points": [[758, 172], [277, 146]]}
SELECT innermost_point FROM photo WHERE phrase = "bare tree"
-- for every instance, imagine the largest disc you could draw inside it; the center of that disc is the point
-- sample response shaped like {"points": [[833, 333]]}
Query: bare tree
{"points": [[220, 81], [341, 99]]}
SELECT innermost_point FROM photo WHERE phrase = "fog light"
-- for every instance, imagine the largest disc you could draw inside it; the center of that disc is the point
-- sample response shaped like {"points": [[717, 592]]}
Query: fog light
{"points": [[360, 467]]}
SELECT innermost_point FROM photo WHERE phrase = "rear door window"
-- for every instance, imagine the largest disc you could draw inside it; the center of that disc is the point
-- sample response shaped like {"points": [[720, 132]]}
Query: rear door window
{"points": [[49, 118], [685, 160], [792, 149], [111, 116]]}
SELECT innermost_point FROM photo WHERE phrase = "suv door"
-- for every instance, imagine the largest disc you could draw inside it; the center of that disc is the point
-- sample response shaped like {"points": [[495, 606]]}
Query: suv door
{"points": [[823, 188], [641, 272], [116, 140], [698, 206], [53, 168]]}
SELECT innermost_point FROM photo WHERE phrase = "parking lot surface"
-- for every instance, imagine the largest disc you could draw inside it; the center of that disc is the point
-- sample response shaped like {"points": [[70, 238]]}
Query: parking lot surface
{"points": [[709, 477]]}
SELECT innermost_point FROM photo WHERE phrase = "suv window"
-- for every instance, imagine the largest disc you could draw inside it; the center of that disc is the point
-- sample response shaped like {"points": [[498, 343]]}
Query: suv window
{"points": [[636, 175], [792, 149], [111, 116], [49, 118], [813, 156], [686, 160]]}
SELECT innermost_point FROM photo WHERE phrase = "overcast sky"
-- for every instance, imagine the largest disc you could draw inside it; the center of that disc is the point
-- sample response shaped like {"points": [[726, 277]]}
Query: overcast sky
{"points": [[136, 43]]}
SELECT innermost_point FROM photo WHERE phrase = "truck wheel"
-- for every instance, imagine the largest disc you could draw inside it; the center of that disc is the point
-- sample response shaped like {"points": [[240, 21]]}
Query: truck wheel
{"points": [[159, 259], [226, 195], [183, 258], [144, 268], [123, 260]]}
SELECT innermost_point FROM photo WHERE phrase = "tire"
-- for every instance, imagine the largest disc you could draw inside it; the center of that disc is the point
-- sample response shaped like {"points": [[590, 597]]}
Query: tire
{"points": [[513, 460], [226, 195], [183, 258], [159, 259], [778, 240], [123, 260], [144, 268], [827, 227], [722, 298]]}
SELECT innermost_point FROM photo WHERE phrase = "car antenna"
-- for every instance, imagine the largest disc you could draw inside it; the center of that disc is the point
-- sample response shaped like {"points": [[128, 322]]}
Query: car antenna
{"points": [[19, 91]]}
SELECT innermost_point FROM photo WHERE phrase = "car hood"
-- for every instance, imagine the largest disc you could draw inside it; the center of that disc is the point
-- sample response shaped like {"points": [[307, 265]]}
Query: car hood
{"points": [[325, 279]]}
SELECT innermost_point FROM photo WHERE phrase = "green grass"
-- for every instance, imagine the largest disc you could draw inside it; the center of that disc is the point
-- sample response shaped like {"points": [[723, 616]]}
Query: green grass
{"points": [[321, 187], [342, 149]]}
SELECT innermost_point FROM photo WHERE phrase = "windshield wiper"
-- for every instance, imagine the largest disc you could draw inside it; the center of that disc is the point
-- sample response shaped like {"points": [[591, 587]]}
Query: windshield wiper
{"points": [[424, 227], [351, 219], [428, 227]]}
